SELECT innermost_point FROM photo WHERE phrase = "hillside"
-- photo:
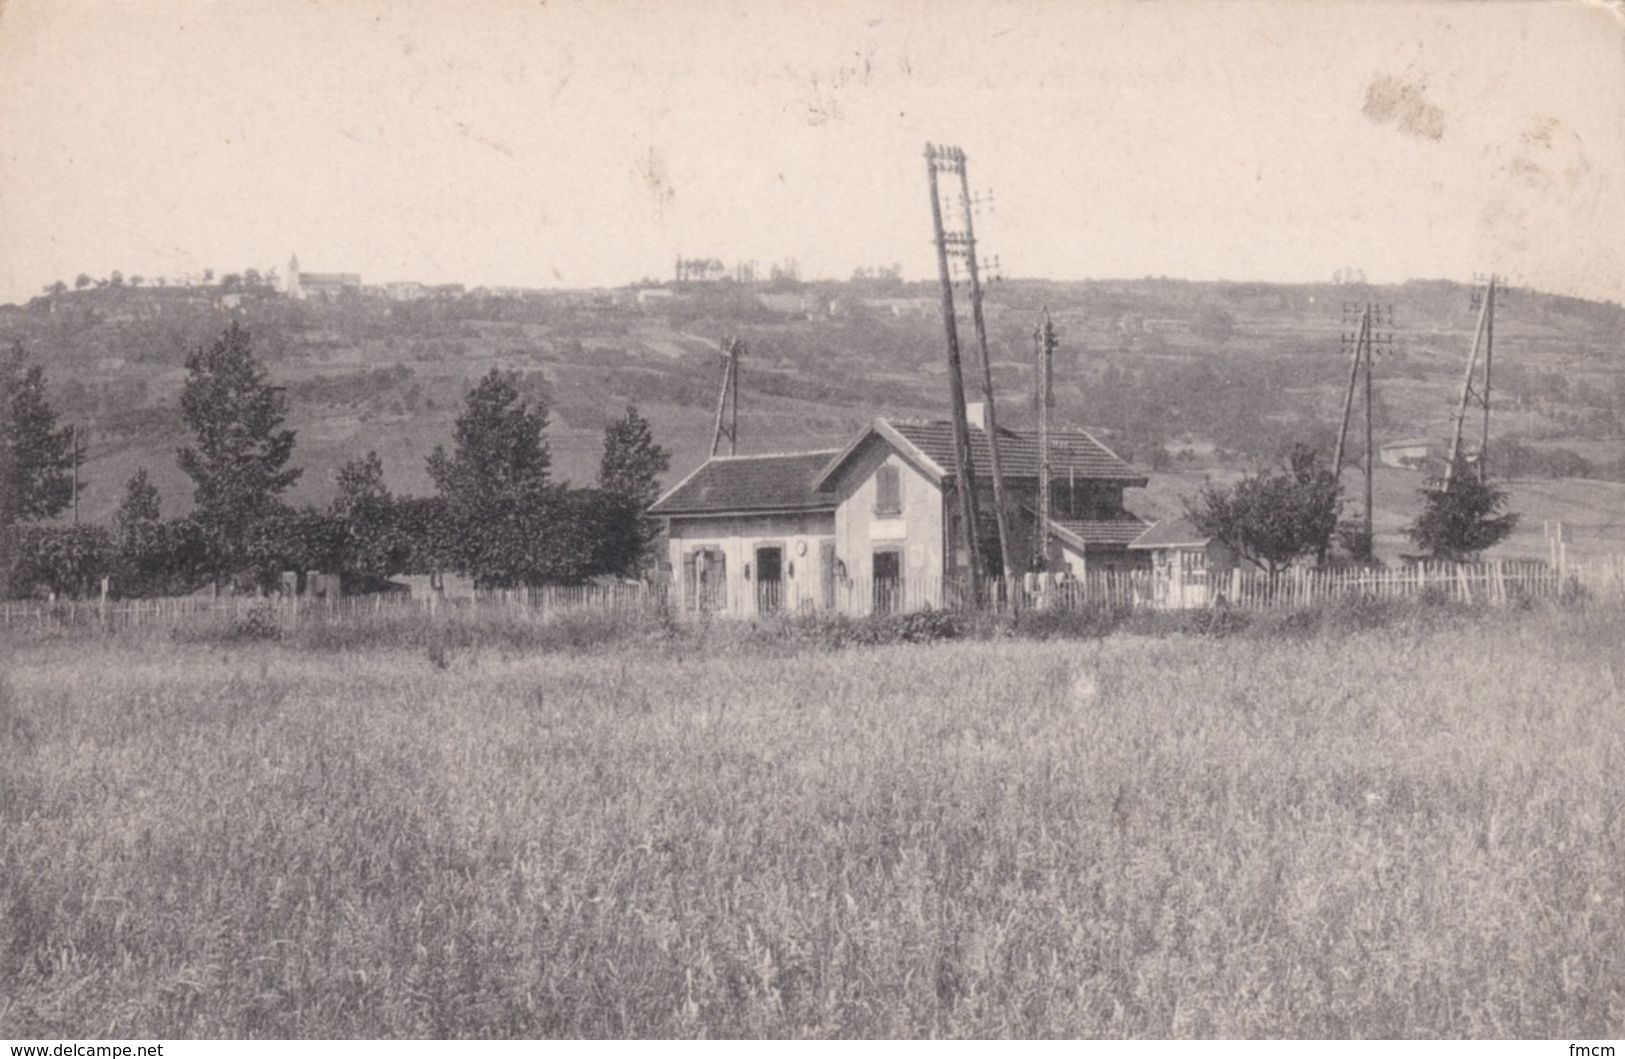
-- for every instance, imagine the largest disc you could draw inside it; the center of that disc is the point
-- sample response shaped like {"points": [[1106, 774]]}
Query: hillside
{"points": [[1187, 380]]}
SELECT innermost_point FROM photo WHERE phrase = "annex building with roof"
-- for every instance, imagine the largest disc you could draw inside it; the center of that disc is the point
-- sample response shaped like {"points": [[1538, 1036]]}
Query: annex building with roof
{"points": [[876, 521]]}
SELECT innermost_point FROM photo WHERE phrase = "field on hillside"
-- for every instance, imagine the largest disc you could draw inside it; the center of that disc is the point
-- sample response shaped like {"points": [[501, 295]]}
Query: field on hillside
{"points": [[1413, 830], [1186, 377]]}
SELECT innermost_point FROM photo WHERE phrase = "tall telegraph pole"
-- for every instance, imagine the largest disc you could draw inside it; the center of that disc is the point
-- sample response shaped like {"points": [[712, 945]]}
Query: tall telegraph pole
{"points": [[937, 159], [727, 425], [1044, 339], [974, 270], [1362, 344], [1483, 335]]}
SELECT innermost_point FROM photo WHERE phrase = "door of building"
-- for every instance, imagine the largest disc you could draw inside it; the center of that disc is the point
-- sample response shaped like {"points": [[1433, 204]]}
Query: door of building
{"points": [[769, 579], [888, 568]]}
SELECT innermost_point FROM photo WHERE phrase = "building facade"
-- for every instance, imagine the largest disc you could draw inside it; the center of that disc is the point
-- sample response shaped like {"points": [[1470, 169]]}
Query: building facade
{"points": [[874, 525]]}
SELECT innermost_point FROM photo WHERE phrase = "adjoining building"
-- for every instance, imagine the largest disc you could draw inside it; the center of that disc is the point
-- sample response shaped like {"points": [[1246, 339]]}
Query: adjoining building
{"points": [[1189, 568], [874, 524]]}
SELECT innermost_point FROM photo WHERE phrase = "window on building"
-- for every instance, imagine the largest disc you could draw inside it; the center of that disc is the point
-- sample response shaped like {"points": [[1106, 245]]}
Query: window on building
{"points": [[705, 579], [888, 492]]}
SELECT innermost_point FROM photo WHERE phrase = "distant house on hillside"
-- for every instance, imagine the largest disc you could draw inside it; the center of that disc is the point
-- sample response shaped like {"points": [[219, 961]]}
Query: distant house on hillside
{"points": [[404, 291], [1409, 452], [652, 296], [790, 304], [905, 307], [301, 285], [874, 524]]}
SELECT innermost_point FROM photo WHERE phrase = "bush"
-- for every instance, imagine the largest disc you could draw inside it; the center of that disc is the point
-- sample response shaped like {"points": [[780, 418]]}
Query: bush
{"points": [[836, 631], [259, 624], [1087, 623]]}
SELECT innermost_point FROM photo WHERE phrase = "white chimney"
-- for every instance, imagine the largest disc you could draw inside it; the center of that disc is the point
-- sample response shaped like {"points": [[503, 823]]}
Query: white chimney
{"points": [[976, 415]]}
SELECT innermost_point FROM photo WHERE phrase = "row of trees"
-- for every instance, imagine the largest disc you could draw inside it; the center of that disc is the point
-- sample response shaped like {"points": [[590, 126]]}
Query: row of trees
{"points": [[1282, 515], [247, 280], [496, 515]]}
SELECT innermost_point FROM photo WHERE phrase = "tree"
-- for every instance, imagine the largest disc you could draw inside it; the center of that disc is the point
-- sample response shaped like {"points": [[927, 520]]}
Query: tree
{"points": [[1273, 518], [632, 462], [286, 539], [1461, 519], [8, 499], [495, 483], [81, 281], [139, 539], [66, 560], [239, 465], [142, 505], [629, 476], [41, 456], [371, 545]]}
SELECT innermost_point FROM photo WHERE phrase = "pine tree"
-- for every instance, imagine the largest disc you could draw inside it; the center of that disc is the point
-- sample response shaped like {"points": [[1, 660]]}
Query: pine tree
{"points": [[1461, 519], [239, 465], [141, 506]]}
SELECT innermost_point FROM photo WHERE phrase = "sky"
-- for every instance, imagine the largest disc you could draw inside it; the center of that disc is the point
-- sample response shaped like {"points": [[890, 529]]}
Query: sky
{"points": [[568, 144]]}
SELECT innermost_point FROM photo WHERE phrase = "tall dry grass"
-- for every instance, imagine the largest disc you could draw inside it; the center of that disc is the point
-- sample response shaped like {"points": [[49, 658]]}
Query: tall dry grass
{"points": [[1411, 830]]}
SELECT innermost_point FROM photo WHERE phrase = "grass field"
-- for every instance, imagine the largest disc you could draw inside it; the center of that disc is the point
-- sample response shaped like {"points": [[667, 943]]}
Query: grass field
{"points": [[1414, 830]]}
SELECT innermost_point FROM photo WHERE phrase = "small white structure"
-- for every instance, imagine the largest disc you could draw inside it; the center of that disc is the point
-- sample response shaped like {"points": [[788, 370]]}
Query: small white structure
{"points": [[1407, 452], [1189, 568]]}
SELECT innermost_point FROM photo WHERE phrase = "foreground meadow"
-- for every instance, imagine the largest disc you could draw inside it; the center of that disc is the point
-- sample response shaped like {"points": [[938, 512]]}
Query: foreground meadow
{"points": [[1416, 830]]}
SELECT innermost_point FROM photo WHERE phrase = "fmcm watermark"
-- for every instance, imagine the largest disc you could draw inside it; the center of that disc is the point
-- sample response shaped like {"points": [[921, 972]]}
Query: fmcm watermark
{"points": [[1605, 1051]]}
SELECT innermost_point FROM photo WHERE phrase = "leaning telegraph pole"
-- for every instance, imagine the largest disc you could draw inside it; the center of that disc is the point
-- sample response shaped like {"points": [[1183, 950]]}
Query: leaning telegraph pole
{"points": [[1482, 336], [1362, 345], [727, 424], [974, 270], [937, 158]]}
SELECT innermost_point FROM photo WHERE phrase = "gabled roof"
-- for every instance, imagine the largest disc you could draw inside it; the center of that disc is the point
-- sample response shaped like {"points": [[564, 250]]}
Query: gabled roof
{"points": [[1099, 532], [1072, 452], [1172, 533], [929, 445], [745, 484]]}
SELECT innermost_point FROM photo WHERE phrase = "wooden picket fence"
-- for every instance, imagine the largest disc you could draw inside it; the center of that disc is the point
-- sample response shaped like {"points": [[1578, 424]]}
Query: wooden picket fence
{"points": [[1498, 583]]}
